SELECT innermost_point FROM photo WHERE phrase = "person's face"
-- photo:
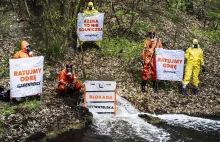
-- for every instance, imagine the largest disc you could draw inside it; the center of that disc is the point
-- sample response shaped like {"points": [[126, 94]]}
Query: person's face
{"points": [[28, 48], [69, 70], [152, 35]]}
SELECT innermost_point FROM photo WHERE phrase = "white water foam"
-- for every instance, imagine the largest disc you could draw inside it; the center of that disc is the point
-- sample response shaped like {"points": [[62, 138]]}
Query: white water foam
{"points": [[127, 124], [196, 123]]}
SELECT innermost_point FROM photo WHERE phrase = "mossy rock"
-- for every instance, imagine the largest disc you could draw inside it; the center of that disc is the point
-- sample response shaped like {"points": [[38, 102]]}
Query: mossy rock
{"points": [[150, 119]]}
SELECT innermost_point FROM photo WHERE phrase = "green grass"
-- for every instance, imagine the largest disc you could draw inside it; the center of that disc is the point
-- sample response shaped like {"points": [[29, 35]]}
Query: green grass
{"points": [[214, 36], [32, 105], [6, 109], [120, 47]]}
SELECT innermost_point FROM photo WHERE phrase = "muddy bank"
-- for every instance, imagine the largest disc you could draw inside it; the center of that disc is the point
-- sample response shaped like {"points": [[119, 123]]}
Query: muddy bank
{"points": [[46, 121]]}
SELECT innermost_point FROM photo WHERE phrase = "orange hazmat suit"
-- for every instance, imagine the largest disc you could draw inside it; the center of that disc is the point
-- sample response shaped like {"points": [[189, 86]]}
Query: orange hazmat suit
{"points": [[23, 52], [149, 58], [63, 78]]}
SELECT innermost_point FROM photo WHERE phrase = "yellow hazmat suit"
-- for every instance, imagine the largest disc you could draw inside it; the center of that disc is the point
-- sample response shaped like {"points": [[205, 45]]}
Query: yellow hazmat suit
{"points": [[194, 60], [90, 9], [89, 12]]}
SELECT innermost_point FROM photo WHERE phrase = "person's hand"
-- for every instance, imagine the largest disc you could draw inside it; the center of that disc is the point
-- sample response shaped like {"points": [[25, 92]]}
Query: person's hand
{"points": [[72, 86], [61, 81], [66, 84], [31, 54]]}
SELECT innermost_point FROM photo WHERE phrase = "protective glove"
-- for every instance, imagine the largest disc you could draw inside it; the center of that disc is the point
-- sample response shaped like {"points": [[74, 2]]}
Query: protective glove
{"points": [[72, 85], [203, 68], [66, 84], [31, 54], [142, 61]]}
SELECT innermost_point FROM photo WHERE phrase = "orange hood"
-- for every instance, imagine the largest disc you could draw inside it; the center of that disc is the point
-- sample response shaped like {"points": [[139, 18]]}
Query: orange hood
{"points": [[23, 46]]}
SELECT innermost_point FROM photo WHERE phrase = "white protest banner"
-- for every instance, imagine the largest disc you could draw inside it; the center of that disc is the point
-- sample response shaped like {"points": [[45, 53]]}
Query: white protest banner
{"points": [[169, 64], [26, 76], [90, 28], [100, 97]]}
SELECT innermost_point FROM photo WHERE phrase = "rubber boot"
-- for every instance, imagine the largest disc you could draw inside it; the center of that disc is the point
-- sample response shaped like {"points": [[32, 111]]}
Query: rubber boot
{"points": [[100, 48], [195, 91], [183, 90], [11, 103], [76, 50], [155, 85], [143, 84], [38, 97]]}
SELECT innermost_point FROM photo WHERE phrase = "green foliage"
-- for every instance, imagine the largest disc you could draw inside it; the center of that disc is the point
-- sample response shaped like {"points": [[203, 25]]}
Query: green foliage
{"points": [[6, 110], [58, 24], [142, 27], [4, 70], [125, 49], [54, 49], [128, 51], [175, 17], [17, 46], [214, 36], [137, 75], [32, 105], [176, 4], [119, 12]]}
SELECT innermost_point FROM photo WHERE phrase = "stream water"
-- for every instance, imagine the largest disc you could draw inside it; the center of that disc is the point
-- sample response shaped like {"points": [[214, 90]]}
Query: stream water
{"points": [[127, 126]]}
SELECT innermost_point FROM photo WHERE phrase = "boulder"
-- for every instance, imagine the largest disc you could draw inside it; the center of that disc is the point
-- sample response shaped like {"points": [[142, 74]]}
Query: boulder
{"points": [[151, 119]]}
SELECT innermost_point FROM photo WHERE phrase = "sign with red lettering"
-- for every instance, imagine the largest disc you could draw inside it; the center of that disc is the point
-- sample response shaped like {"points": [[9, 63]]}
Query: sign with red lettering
{"points": [[90, 27], [26, 76], [169, 64], [100, 97]]}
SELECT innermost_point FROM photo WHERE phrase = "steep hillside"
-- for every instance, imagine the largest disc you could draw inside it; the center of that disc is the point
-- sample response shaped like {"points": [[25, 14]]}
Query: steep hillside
{"points": [[122, 44]]}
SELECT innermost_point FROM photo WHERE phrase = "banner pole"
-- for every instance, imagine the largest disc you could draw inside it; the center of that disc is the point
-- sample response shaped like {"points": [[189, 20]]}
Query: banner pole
{"points": [[83, 65]]}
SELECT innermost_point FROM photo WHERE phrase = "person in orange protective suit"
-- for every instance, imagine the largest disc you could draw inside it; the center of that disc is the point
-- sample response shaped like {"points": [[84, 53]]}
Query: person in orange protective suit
{"points": [[195, 60], [67, 80], [149, 58], [89, 12], [25, 52]]}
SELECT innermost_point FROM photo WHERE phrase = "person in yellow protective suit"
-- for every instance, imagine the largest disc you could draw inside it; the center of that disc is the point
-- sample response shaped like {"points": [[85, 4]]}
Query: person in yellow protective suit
{"points": [[194, 60], [89, 11], [149, 58]]}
